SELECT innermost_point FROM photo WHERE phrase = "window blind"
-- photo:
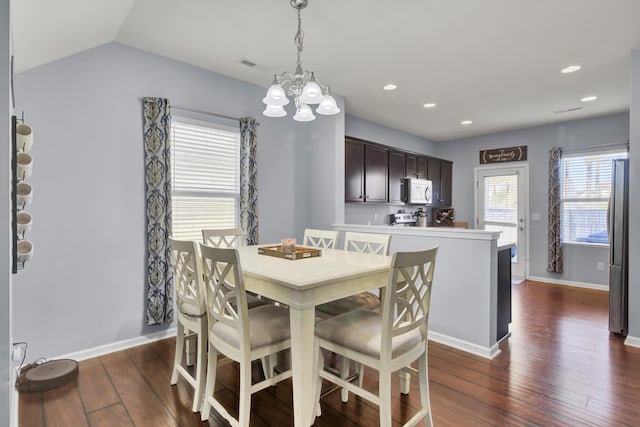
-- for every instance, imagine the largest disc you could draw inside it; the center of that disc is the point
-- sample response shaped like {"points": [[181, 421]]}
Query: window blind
{"points": [[585, 190], [501, 199], [205, 177]]}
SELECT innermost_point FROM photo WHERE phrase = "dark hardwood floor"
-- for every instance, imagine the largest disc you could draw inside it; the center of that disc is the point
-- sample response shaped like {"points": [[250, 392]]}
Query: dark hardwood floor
{"points": [[560, 367]]}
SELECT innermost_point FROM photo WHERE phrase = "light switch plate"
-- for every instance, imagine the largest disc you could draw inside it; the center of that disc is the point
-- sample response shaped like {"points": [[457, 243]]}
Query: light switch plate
{"points": [[535, 216], [600, 266]]}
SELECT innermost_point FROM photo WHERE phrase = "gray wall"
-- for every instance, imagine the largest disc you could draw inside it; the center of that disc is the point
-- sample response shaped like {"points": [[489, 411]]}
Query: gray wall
{"points": [[363, 213], [580, 264], [634, 202], [6, 345], [85, 285]]}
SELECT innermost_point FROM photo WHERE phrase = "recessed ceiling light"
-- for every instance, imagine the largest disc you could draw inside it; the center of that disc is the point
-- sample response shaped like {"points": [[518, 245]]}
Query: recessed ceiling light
{"points": [[589, 98], [429, 105], [570, 69], [390, 86], [466, 122]]}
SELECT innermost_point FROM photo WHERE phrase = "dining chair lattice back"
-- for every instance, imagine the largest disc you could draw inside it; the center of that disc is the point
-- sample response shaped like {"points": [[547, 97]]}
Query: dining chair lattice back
{"points": [[191, 314], [231, 238], [389, 341], [320, 238], [224, 238], [367, 242], [241, 334]]}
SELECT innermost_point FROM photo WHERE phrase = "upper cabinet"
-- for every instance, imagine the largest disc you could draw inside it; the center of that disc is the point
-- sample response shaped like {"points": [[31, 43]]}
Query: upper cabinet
{"points": [[376, 167], [396, 176], [446, 178], [366, 172], [375, 173], [353, 171], [423, 167], [433, 175], [411, 165]]}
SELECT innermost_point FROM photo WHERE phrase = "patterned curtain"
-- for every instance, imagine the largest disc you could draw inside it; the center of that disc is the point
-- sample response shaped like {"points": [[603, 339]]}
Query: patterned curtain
{"points": [[554, 255], [159, 280], [249, 179]]}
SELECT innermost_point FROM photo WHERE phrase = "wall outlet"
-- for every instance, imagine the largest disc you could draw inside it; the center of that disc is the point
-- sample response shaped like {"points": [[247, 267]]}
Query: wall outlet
{"points": [[535, 216], [600, 266]]}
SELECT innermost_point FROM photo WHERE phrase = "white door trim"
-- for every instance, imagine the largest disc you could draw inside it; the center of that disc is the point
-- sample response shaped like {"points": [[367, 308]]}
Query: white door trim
{"points": [[525, 189]]}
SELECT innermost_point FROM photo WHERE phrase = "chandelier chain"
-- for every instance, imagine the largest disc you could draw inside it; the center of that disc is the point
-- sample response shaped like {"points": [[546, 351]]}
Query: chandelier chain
{"points": [[299, 38]]}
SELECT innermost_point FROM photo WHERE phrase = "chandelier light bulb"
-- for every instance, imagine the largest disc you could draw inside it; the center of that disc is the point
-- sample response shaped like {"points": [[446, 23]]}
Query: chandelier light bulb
{"points": [[328, 106], [312, 93], [276, 95], [304, 114], [274, 111]]}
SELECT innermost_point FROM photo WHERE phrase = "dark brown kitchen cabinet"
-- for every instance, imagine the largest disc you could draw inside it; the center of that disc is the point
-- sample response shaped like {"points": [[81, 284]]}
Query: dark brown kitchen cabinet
{"points": [[412, 166], [366, 168], [396, 175], [423, 166], [353, 171], [376, 168], [446, 174], [375, 173], [433, 175]]}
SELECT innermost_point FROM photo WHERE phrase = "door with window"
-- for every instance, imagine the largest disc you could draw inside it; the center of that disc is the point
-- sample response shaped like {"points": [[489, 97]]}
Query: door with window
{"points": [[501, 206]]}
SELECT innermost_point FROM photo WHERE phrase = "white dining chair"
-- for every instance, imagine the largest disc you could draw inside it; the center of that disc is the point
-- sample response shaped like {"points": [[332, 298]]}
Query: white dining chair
{"points": [[191, 314], [241, 334], [320, 238], [365, 243], [224, 238], [230, 238], [387, 341]]}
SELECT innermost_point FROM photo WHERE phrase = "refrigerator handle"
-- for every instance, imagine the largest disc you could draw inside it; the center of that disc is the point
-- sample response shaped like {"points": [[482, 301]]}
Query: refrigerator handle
{"points": [[611, 213]]}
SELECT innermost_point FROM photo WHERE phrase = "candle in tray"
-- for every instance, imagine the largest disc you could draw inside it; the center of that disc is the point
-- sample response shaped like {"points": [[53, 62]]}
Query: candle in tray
{"points": [[288, 244]]}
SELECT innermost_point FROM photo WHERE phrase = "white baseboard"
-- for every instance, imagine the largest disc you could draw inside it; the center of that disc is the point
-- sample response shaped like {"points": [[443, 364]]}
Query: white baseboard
{"points": [[120, 345], [569, 283], [469, 347], [632, 341]]}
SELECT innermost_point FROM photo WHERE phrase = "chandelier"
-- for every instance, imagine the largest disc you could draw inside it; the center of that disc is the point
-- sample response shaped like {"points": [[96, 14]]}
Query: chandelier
{"points": [[302, 85]]}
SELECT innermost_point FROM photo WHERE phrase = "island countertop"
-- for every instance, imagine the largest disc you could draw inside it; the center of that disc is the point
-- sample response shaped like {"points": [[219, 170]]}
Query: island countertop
{"points": [[450, 232]]}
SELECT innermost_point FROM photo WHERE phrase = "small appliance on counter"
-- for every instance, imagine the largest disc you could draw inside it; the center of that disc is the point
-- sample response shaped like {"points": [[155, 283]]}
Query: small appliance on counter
{"points": [[421, 218], [402, 219]]}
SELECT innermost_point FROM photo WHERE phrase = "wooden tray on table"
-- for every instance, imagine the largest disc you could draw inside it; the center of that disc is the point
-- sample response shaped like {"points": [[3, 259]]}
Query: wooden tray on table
{"points": [[300, 252]]}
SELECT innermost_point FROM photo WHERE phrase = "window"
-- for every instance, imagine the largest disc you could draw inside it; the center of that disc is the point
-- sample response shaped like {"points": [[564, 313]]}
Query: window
{"points": [[205, 177], [585, 188]]}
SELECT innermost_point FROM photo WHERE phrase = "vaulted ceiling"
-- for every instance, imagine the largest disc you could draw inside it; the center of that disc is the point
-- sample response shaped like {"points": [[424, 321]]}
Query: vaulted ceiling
{"points": [[494, 62]]}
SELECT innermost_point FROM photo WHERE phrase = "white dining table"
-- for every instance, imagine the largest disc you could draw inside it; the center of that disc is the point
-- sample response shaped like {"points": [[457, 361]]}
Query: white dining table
{"points": [[302, 285]]}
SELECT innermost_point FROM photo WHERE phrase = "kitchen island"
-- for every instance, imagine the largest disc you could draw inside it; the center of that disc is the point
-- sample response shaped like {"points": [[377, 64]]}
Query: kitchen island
{"points": [[465, 298]]}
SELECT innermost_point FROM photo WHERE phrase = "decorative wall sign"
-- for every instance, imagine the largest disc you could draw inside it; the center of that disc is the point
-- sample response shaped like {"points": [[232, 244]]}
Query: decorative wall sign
{"points": [[499, 155]]}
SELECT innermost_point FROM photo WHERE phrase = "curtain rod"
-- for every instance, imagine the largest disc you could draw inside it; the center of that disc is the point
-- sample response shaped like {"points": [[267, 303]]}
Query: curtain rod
{"points": [[602, 147], [193, 110]]}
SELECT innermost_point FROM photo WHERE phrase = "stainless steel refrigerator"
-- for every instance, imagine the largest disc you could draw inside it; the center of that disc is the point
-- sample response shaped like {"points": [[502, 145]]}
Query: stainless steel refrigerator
{"points": [[618, 248]]}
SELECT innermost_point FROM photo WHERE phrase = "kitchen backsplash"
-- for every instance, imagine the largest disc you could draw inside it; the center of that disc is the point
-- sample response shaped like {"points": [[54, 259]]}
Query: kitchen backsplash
{"points": [[363, 213]]}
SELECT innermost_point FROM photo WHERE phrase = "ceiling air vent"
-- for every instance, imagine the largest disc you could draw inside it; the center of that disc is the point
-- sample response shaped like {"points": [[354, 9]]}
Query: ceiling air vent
{"points": [[568, 110], [245, 61]]}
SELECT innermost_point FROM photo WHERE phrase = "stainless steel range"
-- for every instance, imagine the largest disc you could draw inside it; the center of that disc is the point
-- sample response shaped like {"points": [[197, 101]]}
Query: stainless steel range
{"points": [[402, 219]]}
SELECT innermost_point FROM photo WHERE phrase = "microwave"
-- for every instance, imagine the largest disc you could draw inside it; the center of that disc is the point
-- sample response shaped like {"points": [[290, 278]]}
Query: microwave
{"points": [[418, 191]]}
